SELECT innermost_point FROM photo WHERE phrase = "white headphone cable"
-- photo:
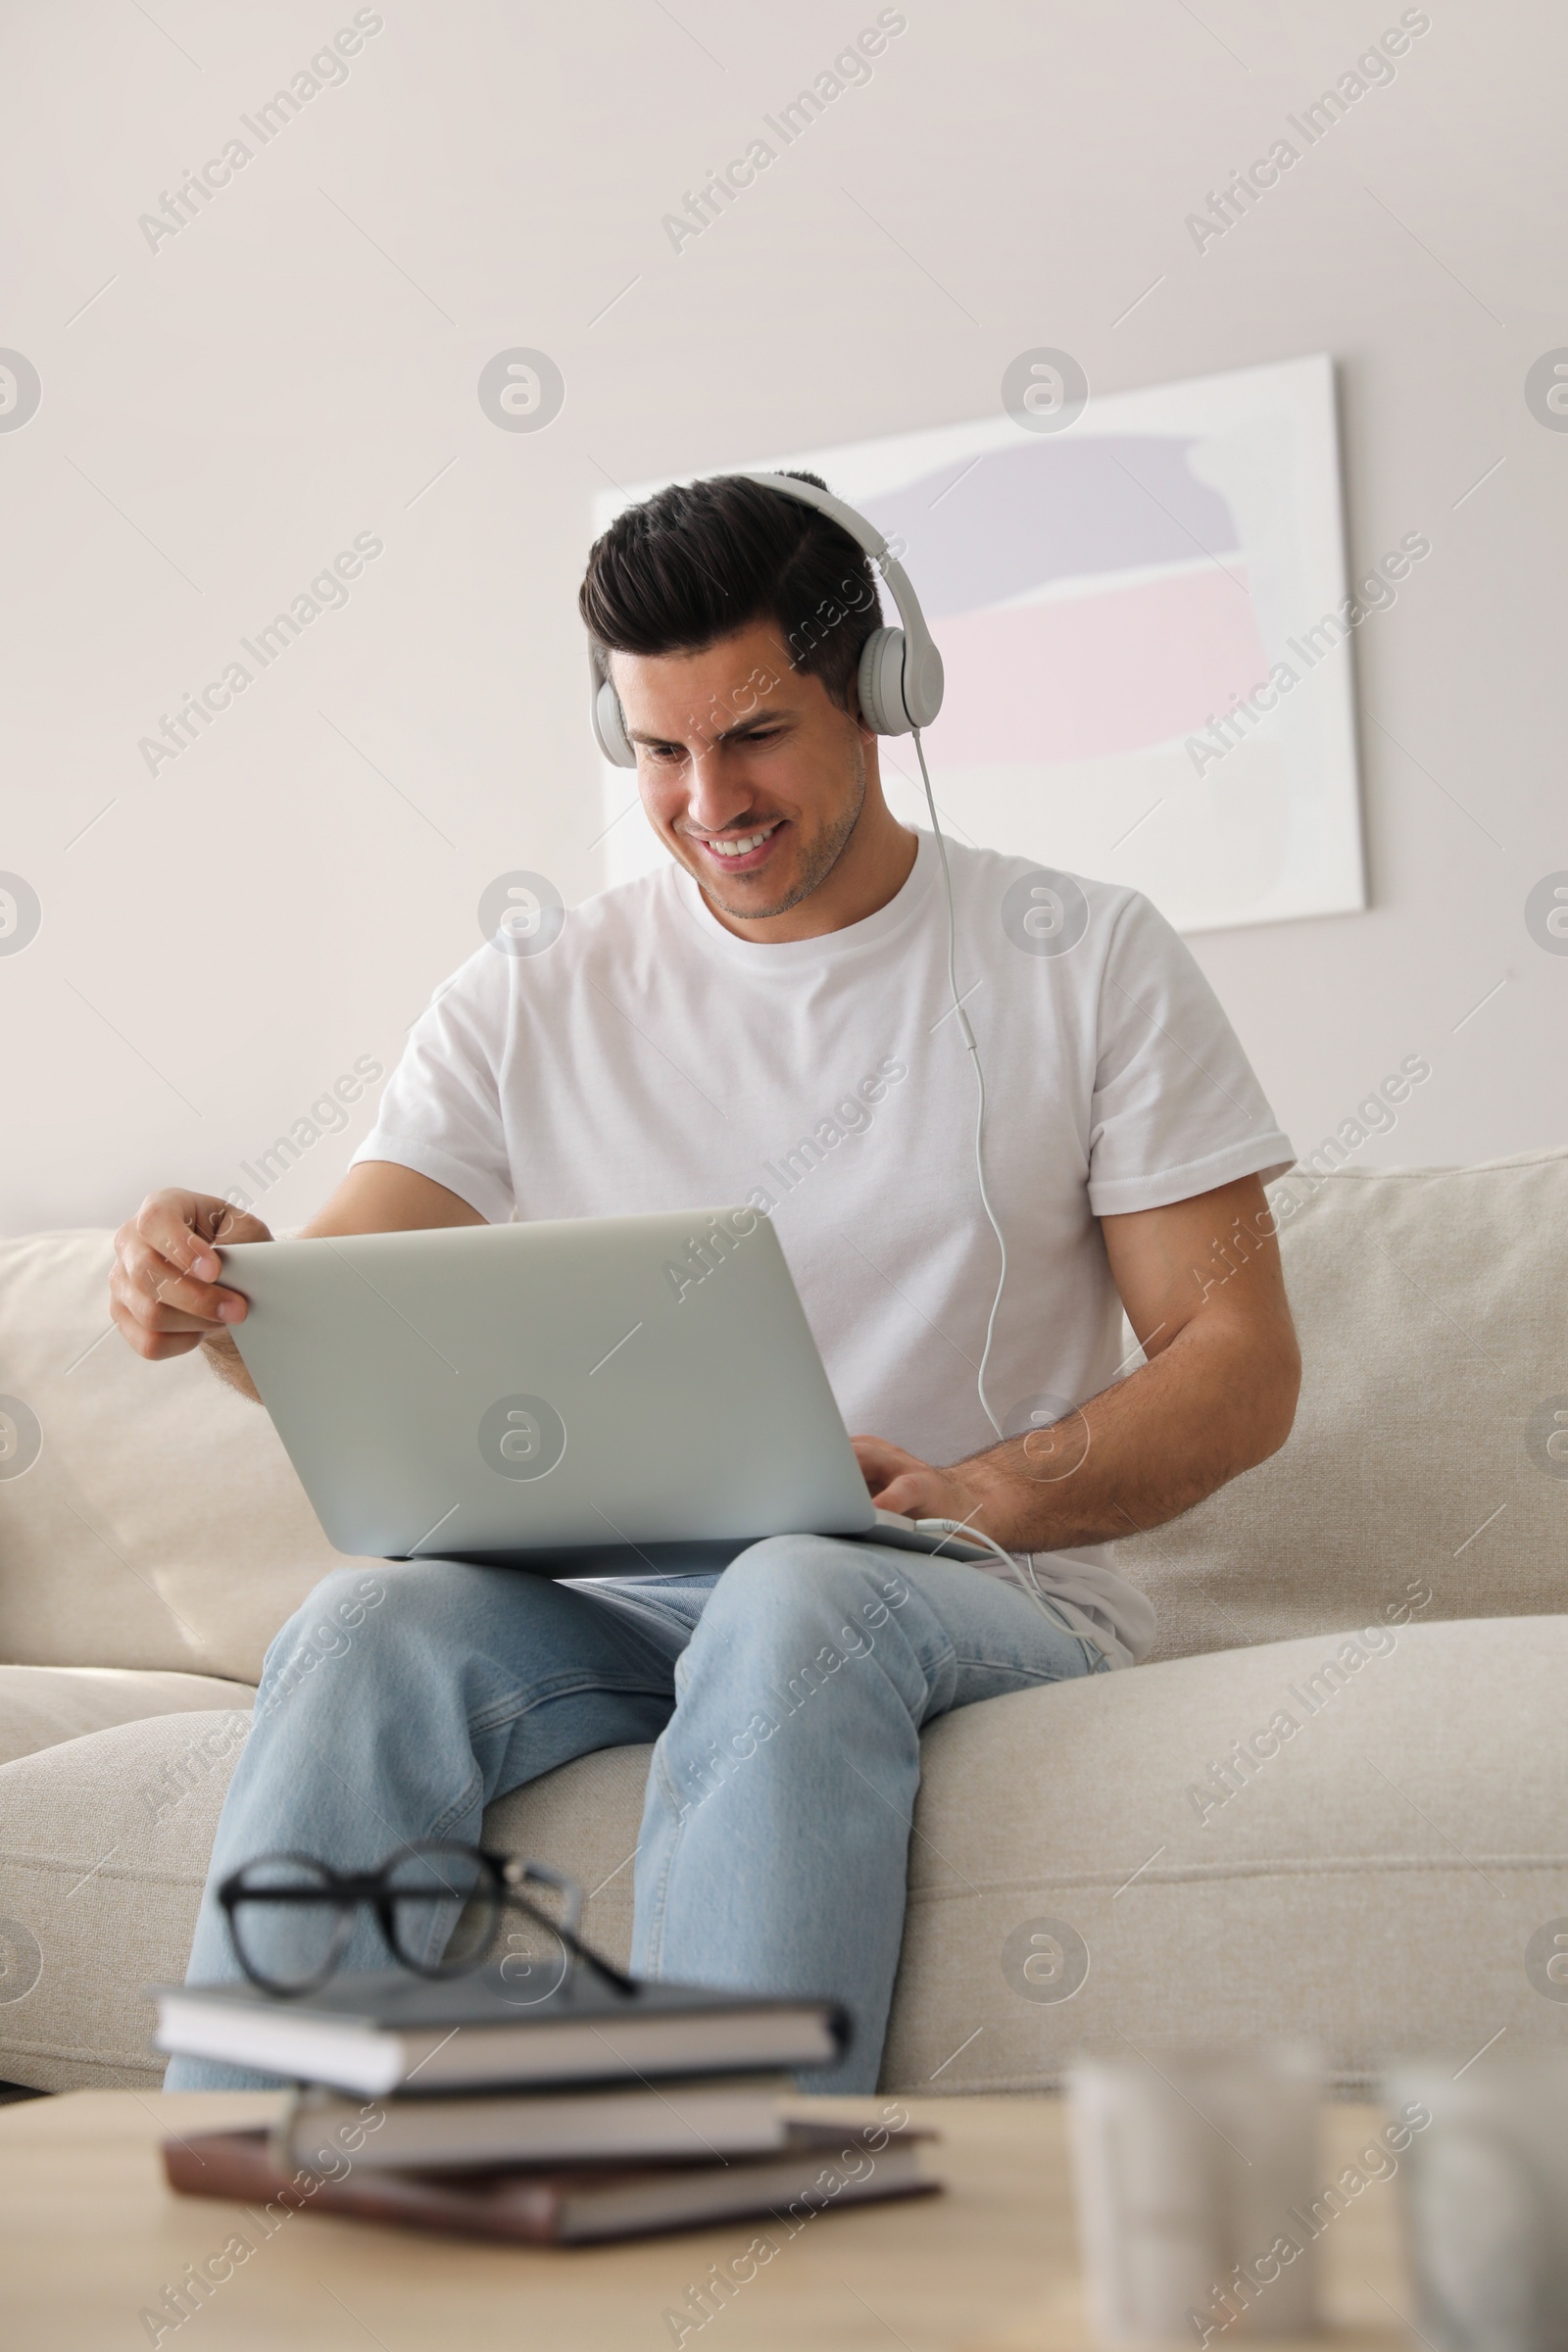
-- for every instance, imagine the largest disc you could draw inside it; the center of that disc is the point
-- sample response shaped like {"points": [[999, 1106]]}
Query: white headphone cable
{"points": [[980, 1087], [972, 1535]]}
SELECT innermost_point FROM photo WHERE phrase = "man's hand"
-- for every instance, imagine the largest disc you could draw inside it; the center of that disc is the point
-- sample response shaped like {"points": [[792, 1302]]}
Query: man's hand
{"points": [[901, 1482], [996, 1493], [164, 1294], [1201, 1285]]}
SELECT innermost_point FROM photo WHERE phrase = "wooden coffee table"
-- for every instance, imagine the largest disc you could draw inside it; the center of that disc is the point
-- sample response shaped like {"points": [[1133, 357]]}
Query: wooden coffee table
{"points": [[90, 2238]]}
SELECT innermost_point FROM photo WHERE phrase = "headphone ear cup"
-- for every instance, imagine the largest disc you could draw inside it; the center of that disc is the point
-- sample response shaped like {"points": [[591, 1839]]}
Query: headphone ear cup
{"points": [[879, 683], [611, 727]]}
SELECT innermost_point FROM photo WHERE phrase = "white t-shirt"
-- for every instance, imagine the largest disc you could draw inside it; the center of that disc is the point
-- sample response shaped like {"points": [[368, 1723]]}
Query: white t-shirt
{"points": [[650, 1059]]}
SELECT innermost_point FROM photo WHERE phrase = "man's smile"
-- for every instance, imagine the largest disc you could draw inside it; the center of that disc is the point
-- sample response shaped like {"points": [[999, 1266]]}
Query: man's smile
{"points": [[737, 853]]}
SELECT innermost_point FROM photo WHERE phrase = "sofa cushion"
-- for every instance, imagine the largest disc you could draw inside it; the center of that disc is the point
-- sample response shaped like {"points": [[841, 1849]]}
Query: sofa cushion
{"points": [[161, 1526], [104, 1842], [1386, 1880], [1374, 1885], [1432, 1305], [103, 1855], [40, 1705], [585, 1818]]}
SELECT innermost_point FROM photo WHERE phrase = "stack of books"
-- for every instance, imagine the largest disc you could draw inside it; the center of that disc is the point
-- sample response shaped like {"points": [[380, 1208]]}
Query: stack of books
{"points": [[589, 2114]]}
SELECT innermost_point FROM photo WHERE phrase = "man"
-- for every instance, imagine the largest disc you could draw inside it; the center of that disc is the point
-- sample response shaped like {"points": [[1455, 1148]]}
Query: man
{"points": [[769, 1018]]}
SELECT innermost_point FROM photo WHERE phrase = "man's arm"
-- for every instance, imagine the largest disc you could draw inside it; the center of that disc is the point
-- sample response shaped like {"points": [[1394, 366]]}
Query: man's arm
{"points": [[164, 1294], [1203, 1291]]}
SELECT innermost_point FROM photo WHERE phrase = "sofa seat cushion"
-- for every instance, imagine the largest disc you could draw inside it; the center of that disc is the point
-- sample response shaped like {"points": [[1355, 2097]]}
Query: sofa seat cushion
{"points": [[585, 1818], [41, 1705], [103, 1855], [104, 1845], [1369, 1881]]}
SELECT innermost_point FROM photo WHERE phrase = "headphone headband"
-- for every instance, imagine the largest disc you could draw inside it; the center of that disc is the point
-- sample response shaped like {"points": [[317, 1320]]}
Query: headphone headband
{"points": [[899, 683]]}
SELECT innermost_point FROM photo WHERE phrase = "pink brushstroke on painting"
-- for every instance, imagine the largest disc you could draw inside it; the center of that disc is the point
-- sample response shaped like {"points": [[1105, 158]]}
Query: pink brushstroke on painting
{"points": [[1081, 677], [1058, 642]]}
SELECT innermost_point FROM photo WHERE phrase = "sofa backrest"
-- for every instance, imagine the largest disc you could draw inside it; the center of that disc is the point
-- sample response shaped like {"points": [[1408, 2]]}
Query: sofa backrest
{"points": [[1427, 1474], [160, 1525]]}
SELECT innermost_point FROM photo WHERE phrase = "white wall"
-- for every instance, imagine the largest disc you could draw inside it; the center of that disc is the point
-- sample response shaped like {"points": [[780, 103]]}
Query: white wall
{"points": [[222, 939]]}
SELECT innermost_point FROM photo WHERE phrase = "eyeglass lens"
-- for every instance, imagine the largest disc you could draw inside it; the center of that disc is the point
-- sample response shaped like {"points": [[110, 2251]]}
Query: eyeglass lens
{"points": [[446, 1913], [441, 1908], [288, 1927]]}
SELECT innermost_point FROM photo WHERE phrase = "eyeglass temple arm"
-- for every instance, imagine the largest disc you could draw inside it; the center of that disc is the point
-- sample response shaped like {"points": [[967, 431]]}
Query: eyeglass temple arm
{"points": [[569, 1926]]}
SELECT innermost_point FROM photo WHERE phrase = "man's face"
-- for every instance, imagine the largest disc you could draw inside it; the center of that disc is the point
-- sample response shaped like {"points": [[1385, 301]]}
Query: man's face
{"points": [[751, 775]]}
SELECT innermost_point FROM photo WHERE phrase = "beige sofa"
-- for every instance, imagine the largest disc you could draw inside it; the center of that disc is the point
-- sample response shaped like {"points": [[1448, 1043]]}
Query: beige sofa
{"points": [[1145, 1858]]}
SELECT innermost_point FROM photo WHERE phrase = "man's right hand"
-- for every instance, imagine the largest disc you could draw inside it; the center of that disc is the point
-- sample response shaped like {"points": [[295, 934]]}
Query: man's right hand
{"points": [[164, 1294]]}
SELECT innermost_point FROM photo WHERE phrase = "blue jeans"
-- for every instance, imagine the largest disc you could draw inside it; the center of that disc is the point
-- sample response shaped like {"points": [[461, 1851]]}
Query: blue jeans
{"points": [[786, 1696]]}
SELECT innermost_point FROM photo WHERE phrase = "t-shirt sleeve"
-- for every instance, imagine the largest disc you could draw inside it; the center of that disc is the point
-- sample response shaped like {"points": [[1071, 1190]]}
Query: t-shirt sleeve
{"points": [[1177, 1108], [441, 1111]]}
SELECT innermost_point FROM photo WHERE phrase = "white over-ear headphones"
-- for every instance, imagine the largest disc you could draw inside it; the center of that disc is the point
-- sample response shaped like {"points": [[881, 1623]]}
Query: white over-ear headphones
{"points": [[899, 683]]}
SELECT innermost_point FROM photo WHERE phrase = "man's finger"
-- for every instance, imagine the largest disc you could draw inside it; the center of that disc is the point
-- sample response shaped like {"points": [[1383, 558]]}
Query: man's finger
{"points": [[163, 1299], [877, 1457], [182, 1305], [154, 1346], [183, 1228], [904, 1495], [202, 1299]]}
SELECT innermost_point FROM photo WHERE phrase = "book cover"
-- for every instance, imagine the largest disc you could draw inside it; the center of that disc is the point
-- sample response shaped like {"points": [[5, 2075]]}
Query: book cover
{"points": [[373, 2031], [825, 2165]]}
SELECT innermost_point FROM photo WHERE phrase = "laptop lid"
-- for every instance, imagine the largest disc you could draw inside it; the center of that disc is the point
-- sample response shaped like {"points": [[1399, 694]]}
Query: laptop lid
{"points": [[481, 1390]]}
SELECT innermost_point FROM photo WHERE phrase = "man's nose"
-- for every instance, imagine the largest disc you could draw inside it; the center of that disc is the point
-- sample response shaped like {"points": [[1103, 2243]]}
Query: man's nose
{"points": [[716, 795]]}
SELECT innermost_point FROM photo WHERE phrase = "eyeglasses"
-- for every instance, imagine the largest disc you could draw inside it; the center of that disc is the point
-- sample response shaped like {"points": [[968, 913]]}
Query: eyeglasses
{"points": [[439, 1905]]}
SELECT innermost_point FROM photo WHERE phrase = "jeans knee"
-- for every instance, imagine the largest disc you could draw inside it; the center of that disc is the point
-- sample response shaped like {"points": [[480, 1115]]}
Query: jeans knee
{"points": [[797, 1600], [328, 1626]]}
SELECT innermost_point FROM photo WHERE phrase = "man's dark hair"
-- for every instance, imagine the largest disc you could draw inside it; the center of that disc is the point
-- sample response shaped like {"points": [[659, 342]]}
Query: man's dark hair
{"points": [[695, 563]]}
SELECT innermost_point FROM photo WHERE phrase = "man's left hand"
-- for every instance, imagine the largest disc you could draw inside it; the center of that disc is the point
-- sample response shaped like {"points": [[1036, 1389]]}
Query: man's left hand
{"points": [[901, 1482]]}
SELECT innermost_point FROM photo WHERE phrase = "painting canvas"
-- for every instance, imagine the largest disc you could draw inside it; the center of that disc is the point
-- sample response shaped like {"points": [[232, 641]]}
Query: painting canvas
{"points": [[1147, 645]]}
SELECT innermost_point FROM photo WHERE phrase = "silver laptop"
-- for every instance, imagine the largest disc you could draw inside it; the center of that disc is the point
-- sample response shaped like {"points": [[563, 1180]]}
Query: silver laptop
{"points": [[569, 1396]]}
